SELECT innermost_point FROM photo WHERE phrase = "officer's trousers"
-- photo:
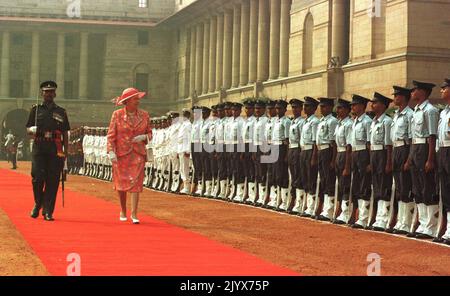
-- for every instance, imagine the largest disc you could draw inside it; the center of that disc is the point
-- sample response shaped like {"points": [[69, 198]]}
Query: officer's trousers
{"points": [[382, 182], [308, 172], [343, 181], [197, 161], [222, 164], [424, 187], [237, 165], [294, 168], [327, 173], [402, 178], [248, 164], [280, 168], [444, 175], [362, 179], [260, 167], [206, 165]]}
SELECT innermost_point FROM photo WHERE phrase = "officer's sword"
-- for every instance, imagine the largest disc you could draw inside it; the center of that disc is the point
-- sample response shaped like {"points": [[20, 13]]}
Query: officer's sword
{"points": [[63, 179]]}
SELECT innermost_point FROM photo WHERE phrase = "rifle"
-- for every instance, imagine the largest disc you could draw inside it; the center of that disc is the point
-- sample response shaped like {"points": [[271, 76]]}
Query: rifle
{"points": [[63, 180]]}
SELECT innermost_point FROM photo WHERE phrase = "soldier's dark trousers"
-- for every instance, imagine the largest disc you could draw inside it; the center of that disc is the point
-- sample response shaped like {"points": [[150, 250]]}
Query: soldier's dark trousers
{"points": [[237, 165], [45, 172], [444, 175], [248, 165], [343, 181], [197, 161], [294, 168], [362, 179], [14, 160], [260, 168], [214, 164], [280, 168], [327, 173], [308, 172], [423, 184], [229, 148], [222, 165], [382, 182], [402, 178], [206, 165]]}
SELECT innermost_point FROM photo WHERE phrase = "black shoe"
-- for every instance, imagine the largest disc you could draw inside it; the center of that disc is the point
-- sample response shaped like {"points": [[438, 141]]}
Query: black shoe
{"points": [[438, 240], [446, 241], [423, 236], [376, 228], [304, 215], [35, 212], [323, 218], [411, 234], [339, 222], [48, 217], [390, 230], [357, 226]]}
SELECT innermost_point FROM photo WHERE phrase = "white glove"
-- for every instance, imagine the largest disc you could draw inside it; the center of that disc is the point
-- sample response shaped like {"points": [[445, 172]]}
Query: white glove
{"points": [[112, 156], [140, 138], [33, 129]]}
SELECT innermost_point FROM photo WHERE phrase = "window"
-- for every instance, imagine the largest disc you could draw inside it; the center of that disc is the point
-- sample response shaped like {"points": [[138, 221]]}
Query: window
{"points": [[142, 38], [68, 90], [17, 39], [16, 89], [308, 43], [143, 3], [142, 81]]}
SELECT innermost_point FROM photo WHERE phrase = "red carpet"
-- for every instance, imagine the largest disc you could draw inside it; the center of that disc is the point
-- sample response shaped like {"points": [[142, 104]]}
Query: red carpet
{"points": [[89, 227]]}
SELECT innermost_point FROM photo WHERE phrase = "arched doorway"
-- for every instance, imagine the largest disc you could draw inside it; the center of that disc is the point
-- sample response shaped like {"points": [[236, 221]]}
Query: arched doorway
{"points": [[15, 122], [141, 77]]}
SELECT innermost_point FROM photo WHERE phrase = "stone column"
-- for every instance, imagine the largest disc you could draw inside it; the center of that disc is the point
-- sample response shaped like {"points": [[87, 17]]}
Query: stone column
{"points": [[60, 66], [219, 55], [274, 68], [212, 54], [285, 33], [236, 44], [199, 59], [245, 31], [263, 41], [206, 32], [338, 30], [4, 64], [193, 33], [228, 48], [35, 65], [253, 46], [83, 86]]}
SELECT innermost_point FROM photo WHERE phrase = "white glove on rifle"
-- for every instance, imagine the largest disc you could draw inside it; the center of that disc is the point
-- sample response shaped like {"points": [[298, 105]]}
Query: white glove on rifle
{"points": [[33, 130], [112, 156], [140, 138]]}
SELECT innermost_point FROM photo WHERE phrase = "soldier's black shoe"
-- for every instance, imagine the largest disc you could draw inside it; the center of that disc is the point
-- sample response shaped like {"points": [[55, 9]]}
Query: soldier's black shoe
{"points": [[390, 230], [376, 228], [48, 217], [423, 236], [446, 241], [322, 218], [411, 234], [438, 240], [35, 212], [339, 222], [357, 226]]}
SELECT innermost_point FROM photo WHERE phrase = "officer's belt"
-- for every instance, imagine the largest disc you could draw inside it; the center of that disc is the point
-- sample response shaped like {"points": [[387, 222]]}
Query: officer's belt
{"points": [[293, 146], [278, 143], [399, 143], [307, 147], [341, 149], [418, 141], [46, 136], [323, 147], [356, 148], [444, 144], [376, 147], [247, 141]]}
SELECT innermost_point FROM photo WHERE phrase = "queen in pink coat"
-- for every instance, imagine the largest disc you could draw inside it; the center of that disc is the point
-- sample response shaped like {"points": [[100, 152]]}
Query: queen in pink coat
{"points": [[128, 134]]}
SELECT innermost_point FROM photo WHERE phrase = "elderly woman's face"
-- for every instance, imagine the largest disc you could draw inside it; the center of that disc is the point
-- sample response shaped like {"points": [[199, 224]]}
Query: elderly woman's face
{"points": [[133, 103]]}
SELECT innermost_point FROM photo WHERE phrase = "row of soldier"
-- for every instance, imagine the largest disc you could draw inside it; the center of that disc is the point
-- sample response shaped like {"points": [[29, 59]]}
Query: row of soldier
{"points": [[376, 173]]}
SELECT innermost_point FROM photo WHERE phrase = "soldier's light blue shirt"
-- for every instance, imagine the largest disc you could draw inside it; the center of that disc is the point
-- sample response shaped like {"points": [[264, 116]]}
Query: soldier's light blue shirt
{"points": [[228, 138], [269, 129], [281, 129], [361, 130], [247, 131], [236, 130], [326, 130], [425, 121], [196, 131], [205, 130], [401, 125], [220, 130], [343, 132], [381, 131], [309, 131], [259, 130], [295, 130], [444, 127]]}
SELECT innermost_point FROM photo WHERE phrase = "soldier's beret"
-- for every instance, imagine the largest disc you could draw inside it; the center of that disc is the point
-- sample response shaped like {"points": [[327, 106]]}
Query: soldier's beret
{"points": [[227, 105], [423, 85], [357, 99], [48, 85], [214, 107], [206, 109], [309, 101], [249, 102], [326, 101], [220, 106], [446, 83], [295, 102], [237, 106], [403, 91], [260, 103], [343, 104], [196, 108], [271, 103], [281, 103], [377, 97]]}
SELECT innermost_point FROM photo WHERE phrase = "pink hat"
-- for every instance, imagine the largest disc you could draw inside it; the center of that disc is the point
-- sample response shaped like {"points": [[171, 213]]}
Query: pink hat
{"points": [[128, 94]]}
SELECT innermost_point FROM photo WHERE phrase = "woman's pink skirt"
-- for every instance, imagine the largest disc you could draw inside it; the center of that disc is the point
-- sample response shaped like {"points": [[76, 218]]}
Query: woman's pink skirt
{"points": [[128, 173]]}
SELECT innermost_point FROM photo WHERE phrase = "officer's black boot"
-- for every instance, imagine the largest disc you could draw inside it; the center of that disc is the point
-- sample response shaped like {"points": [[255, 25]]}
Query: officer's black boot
{"points": [[35, 211]]}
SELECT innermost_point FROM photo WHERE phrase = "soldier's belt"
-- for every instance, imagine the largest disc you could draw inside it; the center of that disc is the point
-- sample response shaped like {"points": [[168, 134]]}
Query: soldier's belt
{"points": [[376, 147], [293, 146], [307, 147], [356, 148], [341, 149], [418, 141], [247, 141], [323, 147], [444, 144], [277, 143], [399, 143]]}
